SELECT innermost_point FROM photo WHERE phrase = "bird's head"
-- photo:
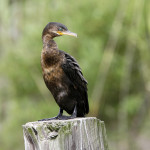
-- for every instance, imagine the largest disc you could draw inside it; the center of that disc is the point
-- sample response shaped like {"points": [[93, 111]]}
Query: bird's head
{"points": [[54, 29]]}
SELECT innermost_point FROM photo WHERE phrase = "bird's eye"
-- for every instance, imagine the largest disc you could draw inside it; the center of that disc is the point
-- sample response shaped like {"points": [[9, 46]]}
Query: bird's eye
{"points": [[60, 29]]}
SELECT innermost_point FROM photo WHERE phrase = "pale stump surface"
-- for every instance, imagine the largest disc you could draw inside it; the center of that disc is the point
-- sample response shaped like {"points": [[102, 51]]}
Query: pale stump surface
{"points": [[75, 134]]}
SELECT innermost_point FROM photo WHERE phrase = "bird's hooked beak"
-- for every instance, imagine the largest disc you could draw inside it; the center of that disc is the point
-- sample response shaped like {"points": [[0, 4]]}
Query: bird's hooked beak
{"points": [[66, 33]]}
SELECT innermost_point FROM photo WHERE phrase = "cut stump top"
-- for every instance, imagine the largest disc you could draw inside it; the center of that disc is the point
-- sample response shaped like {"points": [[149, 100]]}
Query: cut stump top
{"points": [[75, 134]]}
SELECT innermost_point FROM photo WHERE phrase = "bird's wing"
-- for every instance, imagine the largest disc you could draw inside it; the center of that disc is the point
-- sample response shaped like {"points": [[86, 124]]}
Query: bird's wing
{"points": [[73, 71]]}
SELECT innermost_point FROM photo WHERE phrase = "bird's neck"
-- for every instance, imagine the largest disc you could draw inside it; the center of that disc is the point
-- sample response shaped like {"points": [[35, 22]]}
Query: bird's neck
{"points": [[50, 45], [50, 53]]}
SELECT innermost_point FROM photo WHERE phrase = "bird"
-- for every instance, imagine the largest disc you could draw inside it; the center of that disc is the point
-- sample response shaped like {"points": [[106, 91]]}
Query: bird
{"points": [[62, 75]]}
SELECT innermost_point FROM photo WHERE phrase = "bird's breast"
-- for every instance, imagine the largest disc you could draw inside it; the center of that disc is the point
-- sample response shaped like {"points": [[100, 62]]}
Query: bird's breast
{"points": [[51, 65], [54, 80], [53, 74]]}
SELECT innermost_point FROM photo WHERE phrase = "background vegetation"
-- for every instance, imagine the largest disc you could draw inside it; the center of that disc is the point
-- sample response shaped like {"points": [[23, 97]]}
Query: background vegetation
{"points": [[112, 48]]}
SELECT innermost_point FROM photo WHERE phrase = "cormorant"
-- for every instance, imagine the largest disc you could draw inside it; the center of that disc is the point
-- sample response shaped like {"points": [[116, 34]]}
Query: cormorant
{"points": [[62, 74]]}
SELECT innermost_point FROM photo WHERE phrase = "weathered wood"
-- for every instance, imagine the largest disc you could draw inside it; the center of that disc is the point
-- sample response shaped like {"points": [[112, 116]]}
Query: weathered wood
{"points": [[75, 134]]}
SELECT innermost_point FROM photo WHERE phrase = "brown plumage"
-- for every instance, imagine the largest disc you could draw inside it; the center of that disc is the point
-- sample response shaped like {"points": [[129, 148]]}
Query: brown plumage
{"points": [[62, 74]]}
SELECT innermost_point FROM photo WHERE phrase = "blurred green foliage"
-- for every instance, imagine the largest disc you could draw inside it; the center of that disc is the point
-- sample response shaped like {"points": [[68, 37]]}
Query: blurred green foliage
{"points": [[112, 49]]}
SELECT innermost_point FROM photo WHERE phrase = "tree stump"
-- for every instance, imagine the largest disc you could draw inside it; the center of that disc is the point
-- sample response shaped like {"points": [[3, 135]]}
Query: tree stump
{"points": [[74, 134]]}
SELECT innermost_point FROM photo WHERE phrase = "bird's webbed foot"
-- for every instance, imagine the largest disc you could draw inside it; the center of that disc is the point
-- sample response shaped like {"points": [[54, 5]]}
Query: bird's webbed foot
{"points": [[47, 119], [58, 118], [65, 117]]}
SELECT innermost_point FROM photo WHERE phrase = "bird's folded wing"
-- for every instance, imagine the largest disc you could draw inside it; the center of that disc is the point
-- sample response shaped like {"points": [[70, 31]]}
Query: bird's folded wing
{"points": [[73, 71]]}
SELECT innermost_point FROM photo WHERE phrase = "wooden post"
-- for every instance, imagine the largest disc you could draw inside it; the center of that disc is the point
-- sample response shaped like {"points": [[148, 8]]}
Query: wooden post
{"points": [[75, 134]]}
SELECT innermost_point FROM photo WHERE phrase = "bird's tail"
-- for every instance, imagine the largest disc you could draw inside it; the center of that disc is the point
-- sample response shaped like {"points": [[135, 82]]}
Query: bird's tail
{"points": [[82, 108]]}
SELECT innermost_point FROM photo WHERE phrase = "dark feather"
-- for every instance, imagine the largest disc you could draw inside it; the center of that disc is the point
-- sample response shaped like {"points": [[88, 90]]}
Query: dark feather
{"points": [[73, 71]]}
